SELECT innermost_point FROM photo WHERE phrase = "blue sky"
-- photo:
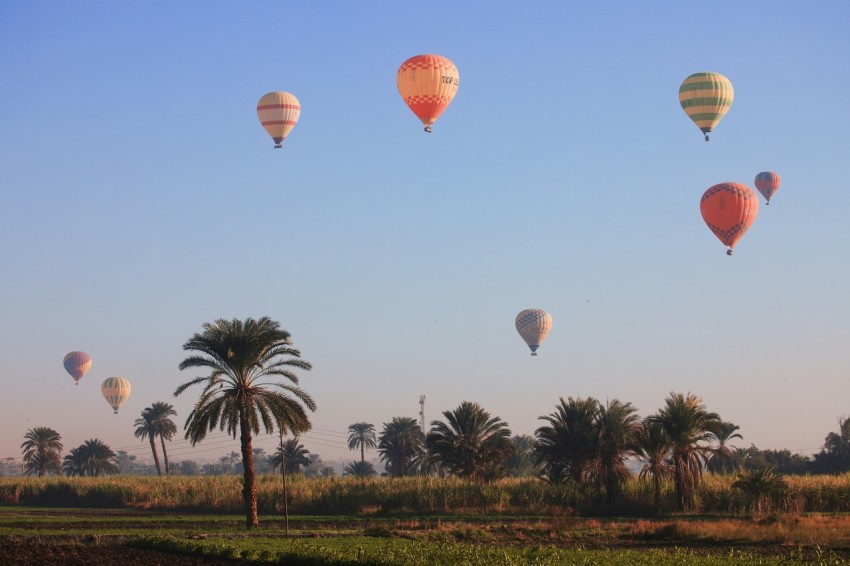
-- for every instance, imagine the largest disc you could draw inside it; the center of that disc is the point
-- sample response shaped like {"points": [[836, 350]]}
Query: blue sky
{"points": [[141, 198]]}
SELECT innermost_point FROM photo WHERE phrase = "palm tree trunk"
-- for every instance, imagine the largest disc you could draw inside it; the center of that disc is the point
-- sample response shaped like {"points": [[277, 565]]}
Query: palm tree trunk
{"points": [[249, 492], [155, 456], [164, 454], [362, 452], [679, 481], [656, 495]]}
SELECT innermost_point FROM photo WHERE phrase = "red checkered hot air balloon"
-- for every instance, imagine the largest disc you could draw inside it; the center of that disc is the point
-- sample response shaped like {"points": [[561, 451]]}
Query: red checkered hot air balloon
{"points": [[77, 364], [729, 209], [428, 84]]}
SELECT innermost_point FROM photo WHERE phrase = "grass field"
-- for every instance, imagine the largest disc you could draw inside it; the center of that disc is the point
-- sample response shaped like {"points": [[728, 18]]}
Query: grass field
{"points": [[197, 520], [32, 535]]}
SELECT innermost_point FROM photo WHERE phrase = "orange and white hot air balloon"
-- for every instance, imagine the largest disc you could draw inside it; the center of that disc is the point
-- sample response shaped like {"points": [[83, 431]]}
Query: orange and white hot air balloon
{"points": [[77, 364], [428, 84], [767, 182], [115, 390], [729, 209], [278, 113], [533, 325]]}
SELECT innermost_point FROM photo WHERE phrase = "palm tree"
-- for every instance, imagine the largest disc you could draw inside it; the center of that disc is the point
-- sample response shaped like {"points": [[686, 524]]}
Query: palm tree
{"points": [[652, 446], [295, 456], [760, 486], [401, 446], [92, 458], [361, 435], [240, 356], [722, 459], [164, 427], [42, 450], [521, 462], [687, 424], [615, 428], [146, 428], [470, 444], [359, 470], [566, 446]]}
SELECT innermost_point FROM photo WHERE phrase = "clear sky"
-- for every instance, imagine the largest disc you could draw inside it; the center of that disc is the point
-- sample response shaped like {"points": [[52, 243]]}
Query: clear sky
{"points": [[141, 198]]}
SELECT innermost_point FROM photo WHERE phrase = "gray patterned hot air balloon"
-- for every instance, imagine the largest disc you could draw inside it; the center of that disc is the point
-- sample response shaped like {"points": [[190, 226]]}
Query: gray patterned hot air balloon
{"points": [[115, 390], [533, 325], [77, 364]]}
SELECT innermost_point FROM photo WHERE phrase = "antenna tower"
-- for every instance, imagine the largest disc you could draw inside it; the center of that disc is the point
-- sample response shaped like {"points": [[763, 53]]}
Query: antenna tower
{"points": [[422, 413]]}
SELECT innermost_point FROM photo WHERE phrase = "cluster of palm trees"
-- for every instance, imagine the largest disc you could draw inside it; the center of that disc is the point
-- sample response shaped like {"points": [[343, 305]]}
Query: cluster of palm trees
{"points": [[155, 422], [42, 453], [583, 441], [243, 392]]}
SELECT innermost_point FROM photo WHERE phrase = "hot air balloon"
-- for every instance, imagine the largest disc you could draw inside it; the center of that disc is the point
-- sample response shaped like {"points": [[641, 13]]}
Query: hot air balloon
{"points": [[115, 390], [278, 113], [77, 364], [767, 182], [533, 325], [729, 209], [427, 83], [706, 98]]}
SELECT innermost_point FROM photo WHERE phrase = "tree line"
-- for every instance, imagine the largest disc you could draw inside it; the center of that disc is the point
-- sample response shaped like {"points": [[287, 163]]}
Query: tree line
{"points": [[251, 387]]}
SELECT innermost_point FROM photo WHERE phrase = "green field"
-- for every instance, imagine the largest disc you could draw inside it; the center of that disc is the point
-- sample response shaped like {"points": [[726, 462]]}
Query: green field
{"points": [[31, 535]]}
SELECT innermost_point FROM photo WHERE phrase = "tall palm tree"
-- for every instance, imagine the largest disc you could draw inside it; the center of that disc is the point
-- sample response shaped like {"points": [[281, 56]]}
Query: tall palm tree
{"points": [[164, 427], [566, 446], [401, 446], [688, 425], [146, 428], [722, 458], [358, 470], [240, 357], [42, 451], [361, 435], [615, 427], [92, 458], [652, 446], [470, 444], [294, 454]]}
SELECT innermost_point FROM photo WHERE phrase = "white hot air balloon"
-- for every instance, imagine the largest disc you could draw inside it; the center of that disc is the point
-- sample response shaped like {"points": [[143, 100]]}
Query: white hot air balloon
{"points": [[115, 390], [533, 325]]}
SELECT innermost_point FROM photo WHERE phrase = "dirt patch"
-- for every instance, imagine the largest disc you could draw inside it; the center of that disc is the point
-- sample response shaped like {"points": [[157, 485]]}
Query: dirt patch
{"points": [[36, 553]]}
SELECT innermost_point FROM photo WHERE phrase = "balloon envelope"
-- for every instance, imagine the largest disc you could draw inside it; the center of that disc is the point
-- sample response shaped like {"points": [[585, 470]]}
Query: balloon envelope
{"points": [[278, 112], [115, 390], [533, 325], [428, 84], [729, 209], [767, 182], [706, 98], [77, 364]]}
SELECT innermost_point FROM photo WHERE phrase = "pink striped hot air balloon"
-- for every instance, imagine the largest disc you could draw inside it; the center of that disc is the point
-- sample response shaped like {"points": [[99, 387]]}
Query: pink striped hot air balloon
{"points": [[278, 113], [77, 364]]}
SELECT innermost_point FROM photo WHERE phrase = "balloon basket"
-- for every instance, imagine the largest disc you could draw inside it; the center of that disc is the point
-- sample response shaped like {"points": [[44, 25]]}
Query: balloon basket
{"points": [[428, 129], [729, 251], [278, 146], [533, 353]]}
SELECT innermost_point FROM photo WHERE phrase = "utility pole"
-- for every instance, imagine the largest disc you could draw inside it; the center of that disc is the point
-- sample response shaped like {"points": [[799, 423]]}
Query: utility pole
{"points": [[422, 413]]}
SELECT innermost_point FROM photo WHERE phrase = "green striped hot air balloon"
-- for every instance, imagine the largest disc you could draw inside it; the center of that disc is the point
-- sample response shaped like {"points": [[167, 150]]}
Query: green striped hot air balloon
{"points": [[706, 98]]}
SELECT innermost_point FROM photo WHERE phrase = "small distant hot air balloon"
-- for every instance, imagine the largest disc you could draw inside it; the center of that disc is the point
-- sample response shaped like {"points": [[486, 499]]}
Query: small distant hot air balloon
{"points": [[706, 98], [278, 112], [427, 83], [729, 209], [767, 182], [77, 364], [533, 325], [115, 390]]}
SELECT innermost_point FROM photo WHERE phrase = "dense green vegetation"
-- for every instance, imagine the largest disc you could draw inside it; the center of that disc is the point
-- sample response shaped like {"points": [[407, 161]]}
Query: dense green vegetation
{"points": [[421, 495]]}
